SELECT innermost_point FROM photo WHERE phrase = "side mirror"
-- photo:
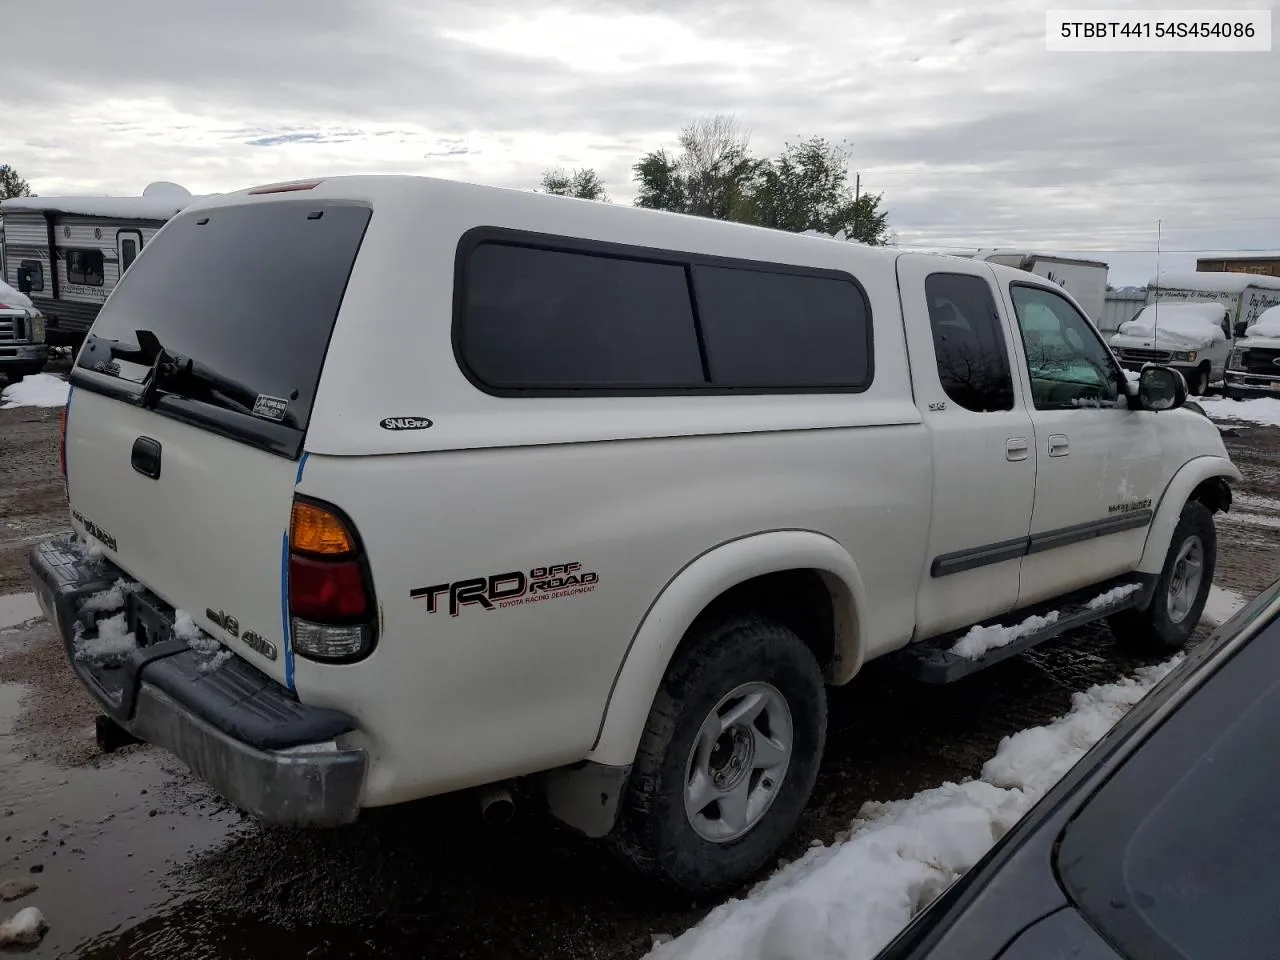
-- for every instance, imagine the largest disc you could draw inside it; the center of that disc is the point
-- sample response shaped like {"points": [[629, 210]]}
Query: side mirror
{"points": [[1161, 388], [24, 280]]}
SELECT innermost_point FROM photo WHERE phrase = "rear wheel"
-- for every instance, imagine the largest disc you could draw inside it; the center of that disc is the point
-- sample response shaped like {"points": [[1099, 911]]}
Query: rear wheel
{"points": [[1174, 612], [728, 758], [15, 377]]}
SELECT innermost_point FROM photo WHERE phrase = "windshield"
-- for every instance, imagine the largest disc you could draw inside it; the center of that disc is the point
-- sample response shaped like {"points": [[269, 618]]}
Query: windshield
{"points": [[232, 308], [1179, 853]]}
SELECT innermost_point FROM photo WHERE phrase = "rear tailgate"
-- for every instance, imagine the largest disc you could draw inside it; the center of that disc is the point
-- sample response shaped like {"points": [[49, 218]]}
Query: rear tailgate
{"points": [[190, 404]]}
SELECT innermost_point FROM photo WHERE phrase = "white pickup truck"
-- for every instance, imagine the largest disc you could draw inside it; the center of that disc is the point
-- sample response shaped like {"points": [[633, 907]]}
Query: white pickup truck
{"points": [[1193, 338], [1254, 370], [630, 492]]}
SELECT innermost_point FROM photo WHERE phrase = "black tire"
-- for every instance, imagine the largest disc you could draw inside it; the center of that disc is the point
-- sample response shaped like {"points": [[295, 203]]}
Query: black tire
{"points": [[14, 377], [1200, 384], [654, 835], [1156, 629]]}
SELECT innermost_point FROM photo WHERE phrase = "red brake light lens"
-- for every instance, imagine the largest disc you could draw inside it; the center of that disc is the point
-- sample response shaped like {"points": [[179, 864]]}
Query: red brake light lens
{"points": [[327, 591]]}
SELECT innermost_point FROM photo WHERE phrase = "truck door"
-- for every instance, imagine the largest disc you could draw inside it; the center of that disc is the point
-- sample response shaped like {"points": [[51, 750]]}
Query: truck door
{"points": [[984, 454], [1100, 464]]}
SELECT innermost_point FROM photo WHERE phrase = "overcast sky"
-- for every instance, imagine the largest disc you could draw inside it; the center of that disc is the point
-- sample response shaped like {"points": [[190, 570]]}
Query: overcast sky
{"points": [[971, 130]]}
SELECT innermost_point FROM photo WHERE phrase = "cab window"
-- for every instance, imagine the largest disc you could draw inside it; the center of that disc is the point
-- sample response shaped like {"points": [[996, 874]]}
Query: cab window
{"points": [[1068, 364]]}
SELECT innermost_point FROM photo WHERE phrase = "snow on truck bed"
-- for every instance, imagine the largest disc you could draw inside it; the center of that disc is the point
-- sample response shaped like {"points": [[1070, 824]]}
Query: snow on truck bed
{"points": [[846, 901], [1177, 323]]}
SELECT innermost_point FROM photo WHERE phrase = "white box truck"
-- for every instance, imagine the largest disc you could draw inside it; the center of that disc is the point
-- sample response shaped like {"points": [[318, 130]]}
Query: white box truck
{"points": [[1085, 280]]}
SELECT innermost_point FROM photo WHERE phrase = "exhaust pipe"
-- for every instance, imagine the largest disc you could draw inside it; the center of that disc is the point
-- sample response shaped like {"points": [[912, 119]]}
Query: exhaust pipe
{"points": [[496, 804]]}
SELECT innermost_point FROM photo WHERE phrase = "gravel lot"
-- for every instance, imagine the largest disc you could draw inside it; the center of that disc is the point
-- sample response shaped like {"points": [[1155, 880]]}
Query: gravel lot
{"points": [[136, 860]]}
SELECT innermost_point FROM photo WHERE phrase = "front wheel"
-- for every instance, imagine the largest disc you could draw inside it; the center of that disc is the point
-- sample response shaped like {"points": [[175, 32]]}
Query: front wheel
{"points": [[1174, 612], [1200, 382], [728, 758]]}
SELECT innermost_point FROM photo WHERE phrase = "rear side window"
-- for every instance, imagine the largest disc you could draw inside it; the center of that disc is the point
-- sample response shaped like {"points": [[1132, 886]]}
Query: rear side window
{"points": [[971, 350], [774, 329], [249, 294], [542, 315], [551, 318], [85, 267]]}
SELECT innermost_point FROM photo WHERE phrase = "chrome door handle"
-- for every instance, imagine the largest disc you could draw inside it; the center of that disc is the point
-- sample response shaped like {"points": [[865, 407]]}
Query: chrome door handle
{"points": [[1058, 445], [1017, 448]]}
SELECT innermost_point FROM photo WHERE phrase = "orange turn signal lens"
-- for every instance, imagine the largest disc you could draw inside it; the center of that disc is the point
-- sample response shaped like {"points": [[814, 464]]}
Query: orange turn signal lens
{"points": [[313, 529]]}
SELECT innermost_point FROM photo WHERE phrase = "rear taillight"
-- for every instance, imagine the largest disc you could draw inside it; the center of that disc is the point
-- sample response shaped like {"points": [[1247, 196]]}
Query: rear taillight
{"points": [[332, 612]]}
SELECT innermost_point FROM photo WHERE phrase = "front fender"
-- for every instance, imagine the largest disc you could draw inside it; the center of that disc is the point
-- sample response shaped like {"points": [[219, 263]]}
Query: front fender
{"points": [[688, 593], [1184, 482]]}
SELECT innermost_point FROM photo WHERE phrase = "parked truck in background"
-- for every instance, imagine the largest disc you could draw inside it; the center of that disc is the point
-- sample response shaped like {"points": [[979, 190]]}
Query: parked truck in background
{"points": [[1203, 360], [1254, 370]]}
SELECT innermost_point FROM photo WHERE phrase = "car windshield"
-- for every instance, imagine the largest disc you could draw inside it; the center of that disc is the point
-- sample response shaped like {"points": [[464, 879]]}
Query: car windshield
{"points": [[1179, 853]]}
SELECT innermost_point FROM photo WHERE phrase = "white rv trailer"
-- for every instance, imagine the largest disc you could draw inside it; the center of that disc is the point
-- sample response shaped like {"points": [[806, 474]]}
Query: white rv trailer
{"points": [[67, 253]]}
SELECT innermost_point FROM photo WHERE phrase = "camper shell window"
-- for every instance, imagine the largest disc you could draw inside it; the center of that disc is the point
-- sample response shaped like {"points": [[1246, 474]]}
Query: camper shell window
{"points": [[85, 267], [545, 315]]}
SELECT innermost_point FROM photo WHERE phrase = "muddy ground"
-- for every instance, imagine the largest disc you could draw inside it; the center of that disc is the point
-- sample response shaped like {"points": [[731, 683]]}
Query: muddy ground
{"points": [[135, 860]]}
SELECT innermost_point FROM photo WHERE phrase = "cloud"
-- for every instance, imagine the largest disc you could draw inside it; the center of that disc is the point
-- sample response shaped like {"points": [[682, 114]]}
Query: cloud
{"points": [[970, 129]]}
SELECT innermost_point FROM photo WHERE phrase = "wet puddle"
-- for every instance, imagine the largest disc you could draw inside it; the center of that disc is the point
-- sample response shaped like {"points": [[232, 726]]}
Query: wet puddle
{"points": [[101, 840]]}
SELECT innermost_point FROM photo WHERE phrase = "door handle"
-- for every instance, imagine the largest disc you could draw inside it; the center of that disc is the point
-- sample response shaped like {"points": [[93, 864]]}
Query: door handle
{"points": [[1017, 448], [145, 457], [1058, 445]]}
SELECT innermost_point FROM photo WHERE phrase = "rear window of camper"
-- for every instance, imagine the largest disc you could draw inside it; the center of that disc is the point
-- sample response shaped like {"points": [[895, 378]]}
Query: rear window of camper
{"points": [[537, 317]]}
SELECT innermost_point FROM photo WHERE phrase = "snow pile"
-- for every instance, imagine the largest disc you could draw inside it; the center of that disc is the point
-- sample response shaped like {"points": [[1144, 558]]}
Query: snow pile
{"points": [[11, 297], [215, 654], [1113, 596], [111, 600], [846, 901], [1221, 605], [24, 929], [1267, 324], [1264, 411], [113, 641], [41, 390], [1177, 324], [981, 639]]}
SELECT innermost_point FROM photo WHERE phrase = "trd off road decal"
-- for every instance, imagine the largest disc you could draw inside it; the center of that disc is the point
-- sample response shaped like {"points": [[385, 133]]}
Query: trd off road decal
{"points": [[502, 590]]}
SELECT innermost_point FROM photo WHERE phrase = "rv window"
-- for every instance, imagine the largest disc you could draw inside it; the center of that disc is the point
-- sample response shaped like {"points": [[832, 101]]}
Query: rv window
{"points": [[970, 347], [551, 319], [85, 266], [128, 253], [783, 330], [35, 270]]}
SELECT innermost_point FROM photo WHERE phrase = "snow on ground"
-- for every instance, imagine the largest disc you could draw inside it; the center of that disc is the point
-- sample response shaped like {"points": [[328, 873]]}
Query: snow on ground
{"points": [[23, 929], [1251, 519], [980, 639], [40, 390], [1264, 411], [846, 901], [1221, 605]]}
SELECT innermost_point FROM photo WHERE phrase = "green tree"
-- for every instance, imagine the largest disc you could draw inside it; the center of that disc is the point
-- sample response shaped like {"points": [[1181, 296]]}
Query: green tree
{"points": [[585, 184], [807, 188], [713, 175], [12, 185]]}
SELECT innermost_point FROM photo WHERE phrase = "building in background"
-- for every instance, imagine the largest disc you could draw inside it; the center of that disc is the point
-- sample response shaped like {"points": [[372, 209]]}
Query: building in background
{"points": [[1264, 263]]}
